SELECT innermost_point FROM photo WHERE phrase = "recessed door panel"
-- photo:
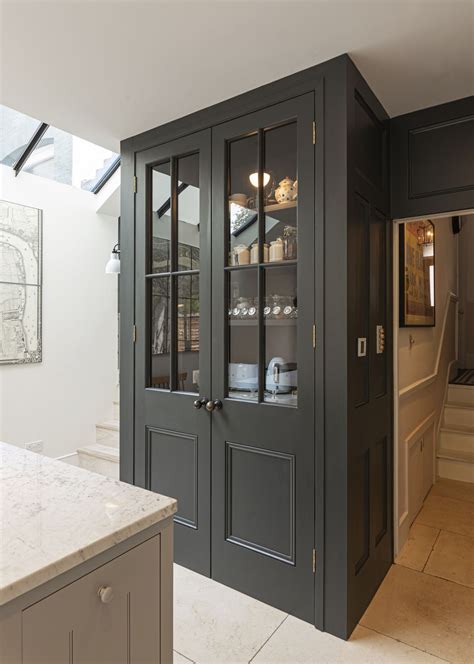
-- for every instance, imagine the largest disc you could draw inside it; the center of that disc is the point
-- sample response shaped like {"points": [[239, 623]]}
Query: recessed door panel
{"points": [[260, 520]]}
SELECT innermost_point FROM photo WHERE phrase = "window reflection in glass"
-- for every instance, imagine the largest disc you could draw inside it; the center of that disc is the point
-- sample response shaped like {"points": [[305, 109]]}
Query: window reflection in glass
{"points": [[160, 333], [187, 379], [161, 219], [242, 198], [188, 212]]}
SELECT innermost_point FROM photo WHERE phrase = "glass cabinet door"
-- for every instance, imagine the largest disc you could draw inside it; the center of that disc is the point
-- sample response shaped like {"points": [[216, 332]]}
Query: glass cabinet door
{"points": [[261, 266], [174, 267]]}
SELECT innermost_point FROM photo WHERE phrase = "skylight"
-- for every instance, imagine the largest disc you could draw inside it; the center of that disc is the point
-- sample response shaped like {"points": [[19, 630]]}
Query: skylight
{"points": [[57, 155]]}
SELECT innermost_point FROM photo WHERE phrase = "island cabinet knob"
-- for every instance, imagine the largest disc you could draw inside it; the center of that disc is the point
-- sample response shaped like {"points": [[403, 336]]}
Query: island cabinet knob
{"points": [[106, 594]]}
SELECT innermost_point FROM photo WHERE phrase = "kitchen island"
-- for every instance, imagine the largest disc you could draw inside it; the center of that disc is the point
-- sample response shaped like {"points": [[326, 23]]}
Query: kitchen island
{"points": [[85, 565]]}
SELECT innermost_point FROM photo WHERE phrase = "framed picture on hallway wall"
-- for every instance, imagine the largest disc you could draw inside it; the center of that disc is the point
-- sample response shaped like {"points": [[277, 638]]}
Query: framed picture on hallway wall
{"points": [[417, 274], [21, 246]]}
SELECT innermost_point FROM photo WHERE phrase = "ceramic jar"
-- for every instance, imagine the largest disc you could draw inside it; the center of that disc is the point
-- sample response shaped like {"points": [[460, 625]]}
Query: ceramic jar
{"points": [[287, 190], [276, 250], [242, 254], [254, 253]]}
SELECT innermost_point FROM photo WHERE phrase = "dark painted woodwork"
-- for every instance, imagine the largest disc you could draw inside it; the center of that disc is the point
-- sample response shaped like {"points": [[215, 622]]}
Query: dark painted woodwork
{"points": [[432, 167], [263, 454], [172, 439], [369, 439], [348, 474]]}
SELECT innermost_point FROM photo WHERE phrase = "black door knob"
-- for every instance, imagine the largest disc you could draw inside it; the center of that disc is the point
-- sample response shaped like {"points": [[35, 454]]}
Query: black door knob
{"points": [[199, 403], [213, 405]]}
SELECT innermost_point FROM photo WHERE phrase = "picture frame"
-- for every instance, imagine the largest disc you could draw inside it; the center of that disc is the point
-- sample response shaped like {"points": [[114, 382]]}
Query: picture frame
{"points": [[21, 283], [417, 274]]}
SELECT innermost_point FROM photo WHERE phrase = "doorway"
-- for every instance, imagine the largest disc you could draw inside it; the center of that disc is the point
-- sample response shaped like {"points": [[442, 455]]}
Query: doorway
{"points": [[434, 432]]}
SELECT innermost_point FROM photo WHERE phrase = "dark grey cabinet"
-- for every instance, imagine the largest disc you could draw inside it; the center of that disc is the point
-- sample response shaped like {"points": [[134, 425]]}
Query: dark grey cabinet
{"points": [[432, 160], [255, 265]]}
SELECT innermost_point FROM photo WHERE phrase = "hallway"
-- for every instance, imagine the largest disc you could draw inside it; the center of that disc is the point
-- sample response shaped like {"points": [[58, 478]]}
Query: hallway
{"points": [[421, 613]]}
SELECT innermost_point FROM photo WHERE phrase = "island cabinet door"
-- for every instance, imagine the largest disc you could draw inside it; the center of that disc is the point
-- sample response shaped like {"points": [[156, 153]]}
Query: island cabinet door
{"points": [[109, 615]]}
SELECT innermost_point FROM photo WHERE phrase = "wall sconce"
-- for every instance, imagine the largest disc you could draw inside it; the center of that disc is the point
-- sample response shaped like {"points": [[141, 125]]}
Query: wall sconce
{"points": [[425, 238], [113, 265]]}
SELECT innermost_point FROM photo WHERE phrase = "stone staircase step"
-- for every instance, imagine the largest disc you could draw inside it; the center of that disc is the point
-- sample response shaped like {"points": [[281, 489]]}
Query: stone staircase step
{"points": [[458, 414], [107, 433], [456, 465], [461, 394], [457, 438], [98, 458]]}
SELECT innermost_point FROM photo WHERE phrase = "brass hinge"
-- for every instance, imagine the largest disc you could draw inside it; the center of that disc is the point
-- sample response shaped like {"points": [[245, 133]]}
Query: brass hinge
{"points": [[134, 334], [134, 180], [314, 561], [314, 335], [314, 133]]}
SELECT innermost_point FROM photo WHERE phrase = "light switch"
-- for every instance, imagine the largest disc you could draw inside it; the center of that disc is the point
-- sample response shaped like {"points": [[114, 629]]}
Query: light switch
{"points": [[361, 346], [380, 337]]}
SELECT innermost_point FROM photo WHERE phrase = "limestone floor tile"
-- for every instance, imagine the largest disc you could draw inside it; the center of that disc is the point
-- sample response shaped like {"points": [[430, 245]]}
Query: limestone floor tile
{"points": [[453, 559], [418, 546], [213, 623], [451, 514], [297, 642], [426, 612], [178, 658], [453, 489]]}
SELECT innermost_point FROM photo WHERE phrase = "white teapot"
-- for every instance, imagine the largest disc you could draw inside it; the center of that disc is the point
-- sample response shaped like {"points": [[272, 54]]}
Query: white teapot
{"points": [[286, 191]]}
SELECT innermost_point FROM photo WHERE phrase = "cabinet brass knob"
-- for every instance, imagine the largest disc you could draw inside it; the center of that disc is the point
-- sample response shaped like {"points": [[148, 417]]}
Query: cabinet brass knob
{"points": [[106, 594], [213, 405]]}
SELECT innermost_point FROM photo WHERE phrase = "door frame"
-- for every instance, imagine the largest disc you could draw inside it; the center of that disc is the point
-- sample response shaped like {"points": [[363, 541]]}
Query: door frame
{"points": [[399, 519]]}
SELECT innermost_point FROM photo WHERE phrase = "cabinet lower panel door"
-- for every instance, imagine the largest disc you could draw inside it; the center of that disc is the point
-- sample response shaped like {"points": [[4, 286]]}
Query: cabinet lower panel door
{"points": [[263, 249], [172, 350]]}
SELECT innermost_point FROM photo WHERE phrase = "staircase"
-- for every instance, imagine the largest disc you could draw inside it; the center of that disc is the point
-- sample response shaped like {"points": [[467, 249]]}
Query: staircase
{"points": [[456, 441], [103, 456]]}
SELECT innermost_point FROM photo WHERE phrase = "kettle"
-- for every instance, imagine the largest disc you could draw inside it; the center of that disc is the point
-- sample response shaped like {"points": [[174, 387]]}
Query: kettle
{"points": [[281, 376], [274, 374]]}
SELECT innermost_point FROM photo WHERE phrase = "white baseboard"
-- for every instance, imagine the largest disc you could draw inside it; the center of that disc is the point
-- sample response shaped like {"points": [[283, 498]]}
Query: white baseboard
{"points": [[72, 458]]}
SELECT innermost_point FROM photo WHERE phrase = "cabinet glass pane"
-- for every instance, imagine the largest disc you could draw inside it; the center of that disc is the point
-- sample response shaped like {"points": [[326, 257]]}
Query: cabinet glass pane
{"points": [[242, 376], [160, 346], [188, 212], [281, 194], [161, 219], [187, 379], [280, 326], [242, 195]]}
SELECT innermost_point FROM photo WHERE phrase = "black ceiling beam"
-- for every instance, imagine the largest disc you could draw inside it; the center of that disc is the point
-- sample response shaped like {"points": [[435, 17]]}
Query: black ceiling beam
{"points": [[106, 176], [31, 145]]}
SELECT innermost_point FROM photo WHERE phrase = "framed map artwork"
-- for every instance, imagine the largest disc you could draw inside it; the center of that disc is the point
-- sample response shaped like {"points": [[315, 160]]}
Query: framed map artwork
{"points": [[20, 283]]}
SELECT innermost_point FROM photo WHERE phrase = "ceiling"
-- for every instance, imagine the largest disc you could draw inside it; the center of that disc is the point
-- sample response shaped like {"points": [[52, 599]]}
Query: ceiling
{"points": [[108, 69]]}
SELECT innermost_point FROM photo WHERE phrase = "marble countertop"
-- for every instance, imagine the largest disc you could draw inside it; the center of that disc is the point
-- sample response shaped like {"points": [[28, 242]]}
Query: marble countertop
{"points": [[54, 516]]}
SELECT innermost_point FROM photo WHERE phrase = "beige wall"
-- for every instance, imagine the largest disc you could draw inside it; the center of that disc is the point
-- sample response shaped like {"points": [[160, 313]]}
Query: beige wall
{"points": [[421, 389], [466, 293]]}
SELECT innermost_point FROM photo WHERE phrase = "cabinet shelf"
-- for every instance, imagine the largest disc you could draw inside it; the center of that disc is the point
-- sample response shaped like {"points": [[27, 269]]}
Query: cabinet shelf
{"points": [[270, 322], [274, 207]]}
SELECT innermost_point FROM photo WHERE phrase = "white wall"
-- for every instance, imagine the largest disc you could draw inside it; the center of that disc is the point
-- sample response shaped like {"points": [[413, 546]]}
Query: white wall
{"points": [[60, 400]]}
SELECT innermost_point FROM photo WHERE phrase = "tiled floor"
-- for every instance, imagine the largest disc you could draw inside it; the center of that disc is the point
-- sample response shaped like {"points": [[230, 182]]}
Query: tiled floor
{"points": [[423, 611]]}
